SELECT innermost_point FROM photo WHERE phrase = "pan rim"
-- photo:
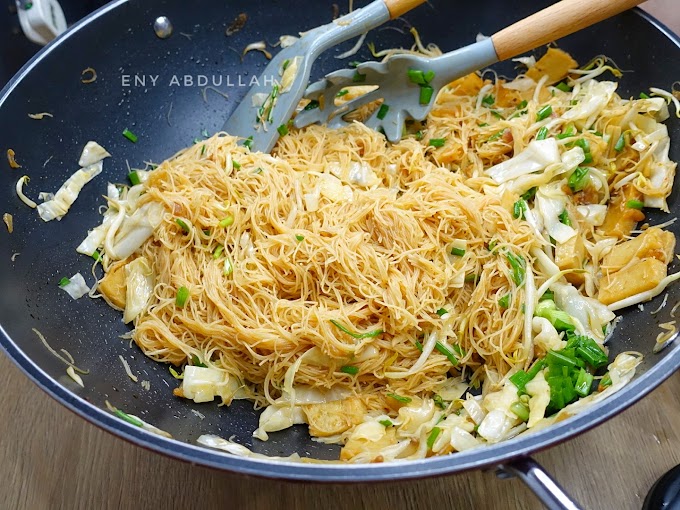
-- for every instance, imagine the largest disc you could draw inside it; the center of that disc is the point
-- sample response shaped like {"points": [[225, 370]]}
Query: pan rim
{"points": [[434, 466]]}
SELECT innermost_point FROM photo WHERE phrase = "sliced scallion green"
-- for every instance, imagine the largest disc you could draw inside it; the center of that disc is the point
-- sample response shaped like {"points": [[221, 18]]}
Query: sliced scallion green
{"points": [[434, 434], [64, 282], [382, 112], [579, 178], [282, 129], [620, 143], [358, 336], [426, 93], [343, 92], [544, 113], [385, 423], [436, 142], [542, 133], [182, 296], [442, 311], [130, 135], [399, 398], [183, 225], [458, 252], [299, 237], [488, 100], [564, 218], [134, 178], [634, 204], [226, 221], [349, 369], [504, 302]]}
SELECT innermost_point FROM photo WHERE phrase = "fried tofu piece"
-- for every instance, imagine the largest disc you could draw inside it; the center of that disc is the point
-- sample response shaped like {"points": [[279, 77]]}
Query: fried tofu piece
{"points": [[570, 255], [113, 286], [357, 445], [636, 278], [652, 243], [620, 219], [555, 63], [507, 98], [469, 85], [333, 418]]}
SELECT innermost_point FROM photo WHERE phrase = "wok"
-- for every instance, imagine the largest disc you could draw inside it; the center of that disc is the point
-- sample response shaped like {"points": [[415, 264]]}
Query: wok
{"points": [[119, 43]]}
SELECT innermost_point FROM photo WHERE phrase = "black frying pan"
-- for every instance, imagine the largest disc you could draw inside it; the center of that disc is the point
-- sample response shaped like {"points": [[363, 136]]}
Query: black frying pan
{"points": [[119, 40]]}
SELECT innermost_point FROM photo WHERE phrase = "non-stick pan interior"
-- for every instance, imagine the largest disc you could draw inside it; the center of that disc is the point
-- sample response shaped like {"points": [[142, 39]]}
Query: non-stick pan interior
{"points": [[155, 88]]}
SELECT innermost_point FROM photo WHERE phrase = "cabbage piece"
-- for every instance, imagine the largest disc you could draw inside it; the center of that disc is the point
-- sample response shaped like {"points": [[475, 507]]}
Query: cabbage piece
{"points": [[593, 214], [661, 168], [92, 153], [568, 162], [67, 194], [539, 390], [289, 75], [140, 281], [495, 426], [590, 314], [536, 157], [550, 203], [502, 400], [474, 409], [592, 98], [331, 187], [546, 337], [462, 440], [76, 286], [414, 418], [279, 417], [135, 230], [233, 448], [95, 237], [203, 384], [452, 388]]}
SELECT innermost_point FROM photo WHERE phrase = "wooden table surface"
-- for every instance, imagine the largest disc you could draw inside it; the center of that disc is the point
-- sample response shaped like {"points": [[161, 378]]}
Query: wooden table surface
{"points": [[50, 458]]}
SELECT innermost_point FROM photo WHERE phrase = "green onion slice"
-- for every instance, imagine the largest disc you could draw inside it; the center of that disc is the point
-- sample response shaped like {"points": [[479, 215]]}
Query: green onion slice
{"points": [[130, 135], [358, 336], [182, 296]]}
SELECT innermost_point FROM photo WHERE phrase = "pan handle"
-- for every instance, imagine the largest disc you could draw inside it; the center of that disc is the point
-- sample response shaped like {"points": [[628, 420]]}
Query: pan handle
{"points": [[539, 481]]}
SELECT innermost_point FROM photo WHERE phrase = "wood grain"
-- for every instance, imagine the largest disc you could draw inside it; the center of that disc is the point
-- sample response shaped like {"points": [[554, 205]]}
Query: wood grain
{"points": [[50, 458], [555, 22]]}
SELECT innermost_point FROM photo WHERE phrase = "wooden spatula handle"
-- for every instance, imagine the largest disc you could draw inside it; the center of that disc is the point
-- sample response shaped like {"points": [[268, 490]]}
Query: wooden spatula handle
{"points": [[558, 20], [399, 7]]}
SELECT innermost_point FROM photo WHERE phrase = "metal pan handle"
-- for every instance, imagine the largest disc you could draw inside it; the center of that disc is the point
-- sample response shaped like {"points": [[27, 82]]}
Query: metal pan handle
{"points": [[539, 481]]}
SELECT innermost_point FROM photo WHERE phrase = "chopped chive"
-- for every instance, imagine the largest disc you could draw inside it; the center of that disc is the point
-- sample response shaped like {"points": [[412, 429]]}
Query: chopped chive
{"points": [[520, 410], [519, 208], [496, 135], [419, 346], [126, 417], [183, 225], [442, 311], [227, 221], [446, 352], [584, 383], [218, 251], [358, 336], [203, 150], [382, 112], [419, 135], [174, 373], [523, 104], [518, 265], [496, 114], [570, 131], [426, 93], [605, 382], [134, 178], [299, 237], [483, 124], [458, 252], [439, 401], [643, 95], [236, 165], [96, 255], [285, 64], [416, 76], [620, 143], [182, 296], [433, 437], [343, 92], [64, 282], [542, 133], [578, 179], [429, 76], [312, 105], [471, 278], [228, 267], [436, 142], [488, 100], [529, 194], [563, 87], [544, 112], [564, 218], [206, 231], [349, 369], [399, 398], [504, 302], [635, 204], [196, 362], [358, 77], [520, 379], [130, 135], [385, 423], [282, 129]]}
